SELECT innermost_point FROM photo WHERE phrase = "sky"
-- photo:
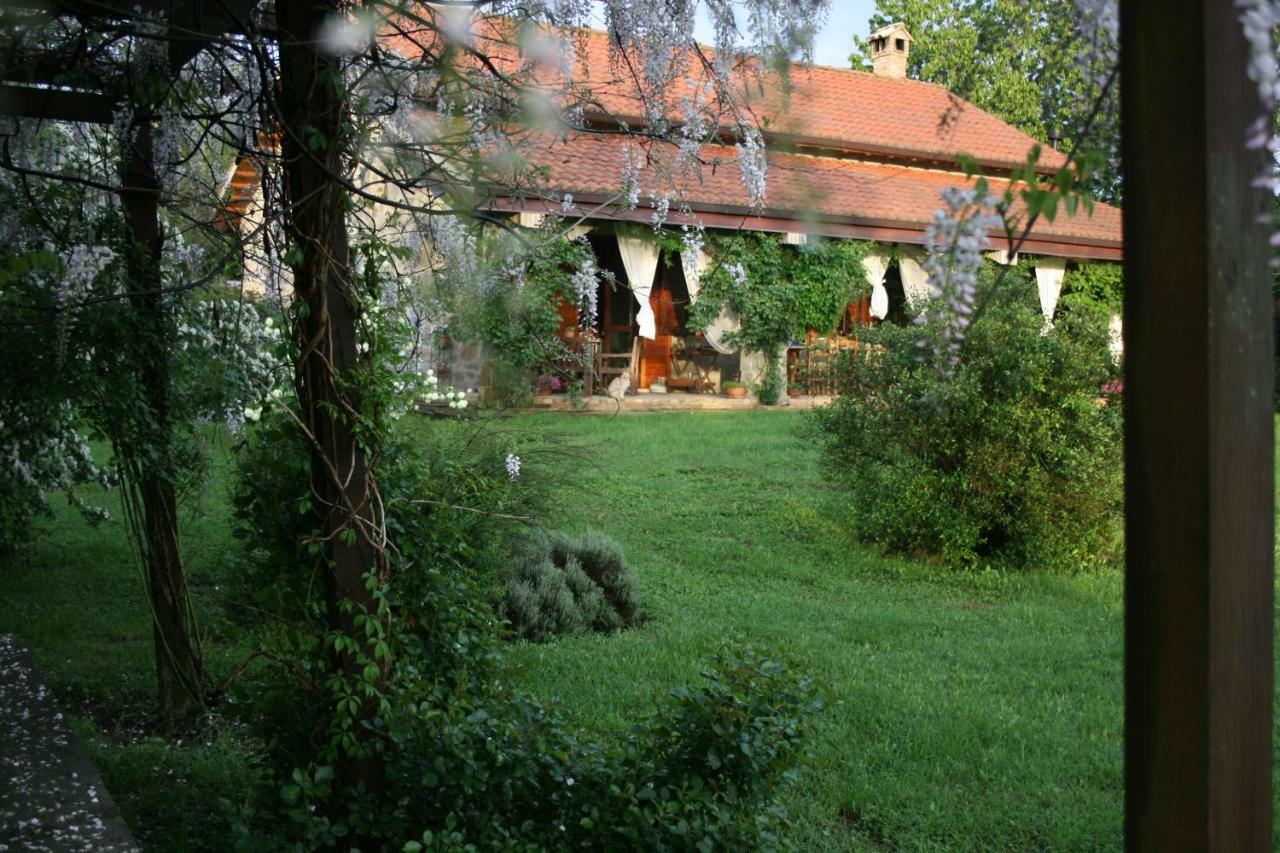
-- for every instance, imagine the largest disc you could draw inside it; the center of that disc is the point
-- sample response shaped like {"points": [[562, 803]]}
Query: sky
{"points": [[835, 40]]}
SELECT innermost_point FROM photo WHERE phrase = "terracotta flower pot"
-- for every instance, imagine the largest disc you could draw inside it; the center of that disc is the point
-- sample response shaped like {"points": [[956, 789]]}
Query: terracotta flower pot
{"points": [[737, 391]]}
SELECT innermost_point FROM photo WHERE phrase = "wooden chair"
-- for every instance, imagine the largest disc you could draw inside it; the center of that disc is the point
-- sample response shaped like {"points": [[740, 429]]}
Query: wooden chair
{"points": [[611, 364]]}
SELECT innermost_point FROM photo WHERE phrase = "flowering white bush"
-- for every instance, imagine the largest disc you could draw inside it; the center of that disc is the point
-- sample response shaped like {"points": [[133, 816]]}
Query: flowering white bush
{"points": [[433, 394], [232, 358], [40, 455]]}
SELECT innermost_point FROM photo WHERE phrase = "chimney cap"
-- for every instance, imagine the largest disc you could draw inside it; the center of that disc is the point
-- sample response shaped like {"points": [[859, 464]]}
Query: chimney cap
{"points": [[889, 30], [890, 47]]}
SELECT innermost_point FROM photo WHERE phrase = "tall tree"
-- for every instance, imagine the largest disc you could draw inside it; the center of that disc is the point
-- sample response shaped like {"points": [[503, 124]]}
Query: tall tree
{"points": [[1025, 61]]}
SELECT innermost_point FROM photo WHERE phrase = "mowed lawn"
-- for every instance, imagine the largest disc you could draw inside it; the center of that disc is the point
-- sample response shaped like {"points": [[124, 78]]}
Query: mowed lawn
{"points": [[974, 710]]}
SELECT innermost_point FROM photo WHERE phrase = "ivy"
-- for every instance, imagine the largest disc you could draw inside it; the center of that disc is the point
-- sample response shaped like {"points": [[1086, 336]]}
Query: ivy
{"points": [[518, 314], [1099, 283], [777, 291]]}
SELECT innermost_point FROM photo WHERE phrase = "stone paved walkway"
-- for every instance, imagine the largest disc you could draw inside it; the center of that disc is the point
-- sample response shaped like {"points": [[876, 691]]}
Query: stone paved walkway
{"points": [[51, 797]]}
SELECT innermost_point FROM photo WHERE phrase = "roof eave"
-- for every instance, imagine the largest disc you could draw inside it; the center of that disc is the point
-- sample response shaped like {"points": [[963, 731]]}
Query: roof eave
{"points": [[779, 221]]}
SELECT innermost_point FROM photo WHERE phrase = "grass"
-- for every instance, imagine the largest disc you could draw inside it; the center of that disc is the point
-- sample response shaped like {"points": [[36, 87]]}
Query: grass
{"points": [[975, 710], [76, 596]]}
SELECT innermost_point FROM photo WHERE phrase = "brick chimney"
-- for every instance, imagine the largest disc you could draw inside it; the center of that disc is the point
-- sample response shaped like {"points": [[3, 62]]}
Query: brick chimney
{"points": [[890, 47]]}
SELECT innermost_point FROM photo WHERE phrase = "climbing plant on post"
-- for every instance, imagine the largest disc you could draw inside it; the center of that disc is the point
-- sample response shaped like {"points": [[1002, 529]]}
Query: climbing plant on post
{"points": [[144, 447], [348, 541]]}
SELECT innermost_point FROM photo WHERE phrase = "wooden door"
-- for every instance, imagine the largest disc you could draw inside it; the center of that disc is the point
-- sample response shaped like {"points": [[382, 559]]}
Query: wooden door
{"points": [[655, 355]]}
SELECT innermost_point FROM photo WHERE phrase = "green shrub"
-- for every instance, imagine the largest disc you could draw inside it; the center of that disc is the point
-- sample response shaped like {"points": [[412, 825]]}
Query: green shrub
{"points": [[703, 773], [562, 586], [1008, 460], [469, 763]]}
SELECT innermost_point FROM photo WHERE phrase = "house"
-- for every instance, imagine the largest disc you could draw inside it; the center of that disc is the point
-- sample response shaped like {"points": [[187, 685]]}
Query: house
{"points": [[850, 155]]}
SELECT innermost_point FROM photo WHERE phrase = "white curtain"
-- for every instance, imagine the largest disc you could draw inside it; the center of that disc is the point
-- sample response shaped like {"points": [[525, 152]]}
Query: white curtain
{"points": [[696, 264], [1049, 273], [877, 266], [1116, 335], [915, 281], [640, 259]]}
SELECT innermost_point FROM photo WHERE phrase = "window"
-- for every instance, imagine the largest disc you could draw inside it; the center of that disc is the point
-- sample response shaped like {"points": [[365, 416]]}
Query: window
{"points": [[900, 44]]}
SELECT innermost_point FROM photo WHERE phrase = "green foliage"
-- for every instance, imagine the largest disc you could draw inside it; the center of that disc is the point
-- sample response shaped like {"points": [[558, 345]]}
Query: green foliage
{"points": [[468, 762], [702, 774], [563, 586], [516, 314], [1010, 461], [779, 291], [885, 632], [1098, 284], [773, 384], [1016, 59]]}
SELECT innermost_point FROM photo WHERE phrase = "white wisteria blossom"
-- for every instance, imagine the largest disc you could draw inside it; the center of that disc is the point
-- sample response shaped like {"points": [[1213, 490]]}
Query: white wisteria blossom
{"points": [[586, 280], [81, 267], [1099, 26], [1259, 19], [753, 165], [955, 240], [513, 473]]}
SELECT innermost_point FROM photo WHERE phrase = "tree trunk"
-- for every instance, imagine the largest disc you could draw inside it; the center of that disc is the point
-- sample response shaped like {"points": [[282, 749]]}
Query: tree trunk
{"points": [[178, 663], [313, 106]]}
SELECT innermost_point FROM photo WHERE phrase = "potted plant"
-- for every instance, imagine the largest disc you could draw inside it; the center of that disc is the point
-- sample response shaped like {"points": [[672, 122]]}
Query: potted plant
{"points": [[546, 384], [733, 388]]}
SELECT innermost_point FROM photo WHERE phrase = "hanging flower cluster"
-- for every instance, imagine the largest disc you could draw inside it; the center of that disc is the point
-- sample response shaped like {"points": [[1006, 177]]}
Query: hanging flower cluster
{"points": [[752, 163], [82, 264], [1099, 26], [955, 241], [586, 281], [1259, 19]]}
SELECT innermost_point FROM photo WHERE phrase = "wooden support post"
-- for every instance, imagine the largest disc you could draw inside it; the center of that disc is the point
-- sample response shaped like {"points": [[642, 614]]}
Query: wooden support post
{"points": [[1199, 434]]}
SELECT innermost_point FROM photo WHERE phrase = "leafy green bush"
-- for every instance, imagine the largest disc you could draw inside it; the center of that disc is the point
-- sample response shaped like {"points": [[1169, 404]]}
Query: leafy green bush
{"points": [[1012, 459], [703, 773], [1100, 284], [562, 586], [467, 761], [778, 292]]}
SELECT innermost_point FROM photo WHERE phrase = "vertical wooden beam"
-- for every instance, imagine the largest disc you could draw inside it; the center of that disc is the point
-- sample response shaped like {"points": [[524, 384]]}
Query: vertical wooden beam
{"points": [[1199, 434]]}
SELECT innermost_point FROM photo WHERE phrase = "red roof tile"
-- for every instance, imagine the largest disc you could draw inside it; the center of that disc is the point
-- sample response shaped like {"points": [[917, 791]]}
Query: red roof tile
{"points": [[825, 107], [900, 126], [799, 187]]}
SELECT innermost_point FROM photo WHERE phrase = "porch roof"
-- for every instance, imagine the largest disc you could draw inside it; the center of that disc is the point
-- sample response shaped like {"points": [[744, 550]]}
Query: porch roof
{"points": [[827, 195]]}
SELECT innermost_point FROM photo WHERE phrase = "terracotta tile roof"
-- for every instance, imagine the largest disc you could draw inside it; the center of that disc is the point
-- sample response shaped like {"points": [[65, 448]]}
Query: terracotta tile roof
{"points": [[848, 147], [799, 187], [830, 107], [843, 109]]}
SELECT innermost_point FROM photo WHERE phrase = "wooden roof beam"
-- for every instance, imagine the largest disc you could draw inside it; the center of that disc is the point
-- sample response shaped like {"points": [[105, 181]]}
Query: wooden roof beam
{"points": [[56, 104]]}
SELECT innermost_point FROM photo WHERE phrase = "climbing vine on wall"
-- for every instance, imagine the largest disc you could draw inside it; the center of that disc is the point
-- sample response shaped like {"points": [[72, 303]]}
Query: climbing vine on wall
{"points": [[779, 291], [1098, 283], [517, 311]]}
